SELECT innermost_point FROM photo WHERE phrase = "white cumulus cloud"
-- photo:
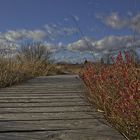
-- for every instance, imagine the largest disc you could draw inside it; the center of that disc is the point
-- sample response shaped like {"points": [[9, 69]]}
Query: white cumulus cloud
{"points": [[16, 35], [55, 31], [116, 21], [104, 44], [113, 20]]}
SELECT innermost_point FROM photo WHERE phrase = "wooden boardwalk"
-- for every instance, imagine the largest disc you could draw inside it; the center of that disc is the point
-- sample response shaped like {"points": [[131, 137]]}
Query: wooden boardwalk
{"points": [[51, 108]]}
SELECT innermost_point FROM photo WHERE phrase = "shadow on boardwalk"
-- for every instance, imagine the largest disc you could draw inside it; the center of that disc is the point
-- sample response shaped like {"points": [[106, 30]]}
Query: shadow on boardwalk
{"points": [[51, 108]]}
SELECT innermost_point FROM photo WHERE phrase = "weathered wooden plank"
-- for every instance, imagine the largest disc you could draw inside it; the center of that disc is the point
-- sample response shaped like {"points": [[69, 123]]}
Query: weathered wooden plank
{"points": [[61, 86], [41, 97], [49, 116], [43, 90], [50, 87], [39, 100], [12, 94], [80, 134], [42, 104], [52, 125], [47, 109]]}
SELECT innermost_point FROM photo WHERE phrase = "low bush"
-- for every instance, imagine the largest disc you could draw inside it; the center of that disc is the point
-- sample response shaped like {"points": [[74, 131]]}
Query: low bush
{"points": [[115, 89]]}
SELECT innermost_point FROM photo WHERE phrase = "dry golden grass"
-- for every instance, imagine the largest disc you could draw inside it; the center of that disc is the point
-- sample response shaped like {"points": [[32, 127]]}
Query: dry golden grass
{"points": [[31, 61], [12, 72]]}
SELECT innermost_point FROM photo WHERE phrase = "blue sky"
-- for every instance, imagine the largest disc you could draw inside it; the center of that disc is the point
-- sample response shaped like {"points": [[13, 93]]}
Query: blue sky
{"points": [[57, 22]]}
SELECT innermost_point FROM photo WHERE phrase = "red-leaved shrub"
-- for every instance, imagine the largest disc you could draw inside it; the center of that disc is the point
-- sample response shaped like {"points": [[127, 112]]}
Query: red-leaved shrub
{"points": [[115, 89]]}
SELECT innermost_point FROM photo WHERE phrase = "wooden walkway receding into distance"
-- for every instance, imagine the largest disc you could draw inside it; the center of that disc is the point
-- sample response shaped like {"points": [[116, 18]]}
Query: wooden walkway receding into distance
{"points": [[51, 108]]}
